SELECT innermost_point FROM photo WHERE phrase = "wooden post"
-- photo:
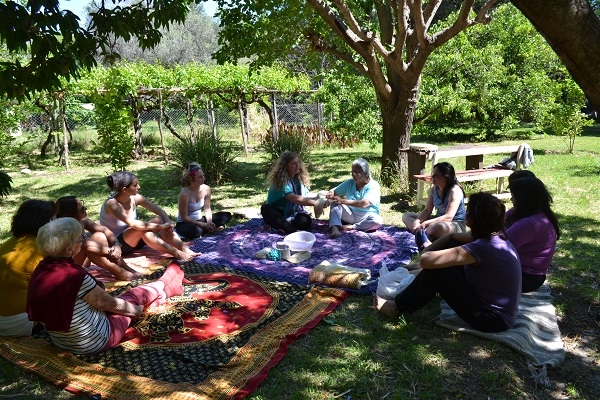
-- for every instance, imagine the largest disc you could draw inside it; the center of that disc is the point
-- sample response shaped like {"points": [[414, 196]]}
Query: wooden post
{"points": [[162, 136], [61, 102], [275, 118], [241, 114], [319, 123]]}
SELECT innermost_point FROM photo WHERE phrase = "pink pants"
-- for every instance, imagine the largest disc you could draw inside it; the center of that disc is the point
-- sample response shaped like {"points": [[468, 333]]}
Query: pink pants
{"points": [[140, 296]]}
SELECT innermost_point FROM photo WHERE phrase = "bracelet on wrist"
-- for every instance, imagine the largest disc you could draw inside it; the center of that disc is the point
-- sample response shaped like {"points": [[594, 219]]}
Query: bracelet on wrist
{"points": [[111, 250]]}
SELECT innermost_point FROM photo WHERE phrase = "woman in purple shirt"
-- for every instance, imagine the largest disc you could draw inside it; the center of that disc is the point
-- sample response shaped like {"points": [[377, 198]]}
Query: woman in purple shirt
{"points": [[532, 228], [477, 273]]}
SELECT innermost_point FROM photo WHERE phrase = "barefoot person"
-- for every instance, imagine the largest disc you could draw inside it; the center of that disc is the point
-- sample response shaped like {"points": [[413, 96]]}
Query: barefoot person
{"points": [[355, 202], [477, 273], [448, 198], [193, 198], [119, 214], [78, 314], [101, 246]]}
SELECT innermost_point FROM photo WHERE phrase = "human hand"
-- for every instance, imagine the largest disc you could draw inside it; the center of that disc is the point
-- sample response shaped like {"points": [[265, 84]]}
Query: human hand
{"points": [[137, 312], [115, 252]]}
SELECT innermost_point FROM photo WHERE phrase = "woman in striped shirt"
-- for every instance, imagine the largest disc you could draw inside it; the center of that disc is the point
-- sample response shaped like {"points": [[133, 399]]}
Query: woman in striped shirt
{"points": [[78, 313]]}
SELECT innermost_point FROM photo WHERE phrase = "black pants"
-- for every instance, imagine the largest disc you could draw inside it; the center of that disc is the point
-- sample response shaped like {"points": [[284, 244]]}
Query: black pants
{"points": [[531, 283], [451, 285], [274, 218], [193, 231]]}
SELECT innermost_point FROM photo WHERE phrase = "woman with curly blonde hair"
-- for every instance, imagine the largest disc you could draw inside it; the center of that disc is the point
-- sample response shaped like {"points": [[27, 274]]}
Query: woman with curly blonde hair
{"points": [[286, 200], [193, 198]]}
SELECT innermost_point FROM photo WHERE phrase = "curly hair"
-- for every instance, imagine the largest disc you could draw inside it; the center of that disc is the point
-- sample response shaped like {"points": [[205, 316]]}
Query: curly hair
{"points": [[190, 170], [485, 215], [119, 180], [278, 175], [530, 196], [31, 216], [447, 171]]}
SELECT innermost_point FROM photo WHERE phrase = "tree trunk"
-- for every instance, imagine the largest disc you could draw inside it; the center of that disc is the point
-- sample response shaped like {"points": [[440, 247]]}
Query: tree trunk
{"points": [[572, 29], [397, 122]]}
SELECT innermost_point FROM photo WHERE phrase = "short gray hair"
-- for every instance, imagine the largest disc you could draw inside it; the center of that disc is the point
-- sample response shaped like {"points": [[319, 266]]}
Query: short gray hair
{"points": [[364, 166], [54, 237]]}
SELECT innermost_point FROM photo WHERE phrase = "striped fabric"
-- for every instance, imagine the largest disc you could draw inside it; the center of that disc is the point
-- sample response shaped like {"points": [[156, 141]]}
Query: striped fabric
{"points": [[89, 330], [535, 333]]}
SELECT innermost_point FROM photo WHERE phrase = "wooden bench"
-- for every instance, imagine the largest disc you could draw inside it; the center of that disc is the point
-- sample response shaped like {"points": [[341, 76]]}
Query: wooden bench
{"points": [[474, 170]]}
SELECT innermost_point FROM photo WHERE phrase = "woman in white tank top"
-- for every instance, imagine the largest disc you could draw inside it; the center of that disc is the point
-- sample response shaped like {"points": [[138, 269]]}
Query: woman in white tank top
{"points": [[119, 213], [193, 198]]}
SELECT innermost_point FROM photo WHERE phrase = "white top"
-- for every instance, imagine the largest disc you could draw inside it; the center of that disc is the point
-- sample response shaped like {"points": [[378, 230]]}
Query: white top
{"points": [[194, 208], [113, 223]]}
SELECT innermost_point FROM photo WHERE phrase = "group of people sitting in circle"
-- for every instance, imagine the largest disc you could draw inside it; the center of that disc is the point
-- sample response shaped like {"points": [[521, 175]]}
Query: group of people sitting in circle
{"points": [[59, 236], [480, 271]]}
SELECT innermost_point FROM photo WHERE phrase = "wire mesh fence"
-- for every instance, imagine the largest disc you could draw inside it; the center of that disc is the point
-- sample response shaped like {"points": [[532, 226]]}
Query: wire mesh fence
{"points": [[256, 119]]}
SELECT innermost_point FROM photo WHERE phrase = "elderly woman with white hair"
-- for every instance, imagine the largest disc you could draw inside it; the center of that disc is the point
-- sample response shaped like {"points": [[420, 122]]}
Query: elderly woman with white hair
{"points": [[355, 202], [77, 312]]}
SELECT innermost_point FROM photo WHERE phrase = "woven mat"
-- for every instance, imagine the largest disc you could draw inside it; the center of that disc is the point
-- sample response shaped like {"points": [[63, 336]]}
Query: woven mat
{"points": [[535, 333], [216, 341]]}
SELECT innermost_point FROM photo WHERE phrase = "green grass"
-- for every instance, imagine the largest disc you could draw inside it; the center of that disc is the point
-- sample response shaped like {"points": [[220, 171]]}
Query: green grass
{"points": [[356, 353]]}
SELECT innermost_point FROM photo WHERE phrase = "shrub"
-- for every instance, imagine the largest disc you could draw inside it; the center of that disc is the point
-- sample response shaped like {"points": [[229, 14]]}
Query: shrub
{"points": [[216, 156], [291, 137]]}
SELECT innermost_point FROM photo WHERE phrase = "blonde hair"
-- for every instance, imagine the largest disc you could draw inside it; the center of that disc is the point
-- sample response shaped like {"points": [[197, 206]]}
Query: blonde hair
{"points": [[54, 237], [189, 171], [278, 175]]}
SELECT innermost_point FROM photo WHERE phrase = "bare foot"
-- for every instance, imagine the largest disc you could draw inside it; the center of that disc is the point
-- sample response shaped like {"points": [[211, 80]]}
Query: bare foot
{"points": [[335, 232], [185, 256], [386, 307], [347, 227]]}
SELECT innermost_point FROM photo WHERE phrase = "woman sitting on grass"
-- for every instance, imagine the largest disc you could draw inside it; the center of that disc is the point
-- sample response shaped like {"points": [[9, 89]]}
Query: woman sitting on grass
{"points": [[101, 246], [477, 273], [119, 214], [19, 256], [193, 198], [78, 314], [448, 198], [532, 227], [288, 188]]}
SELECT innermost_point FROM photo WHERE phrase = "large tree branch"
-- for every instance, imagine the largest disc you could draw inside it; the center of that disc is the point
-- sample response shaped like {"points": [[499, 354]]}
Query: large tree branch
{"points": [[373, 68], [462, 22], [573, 31]]}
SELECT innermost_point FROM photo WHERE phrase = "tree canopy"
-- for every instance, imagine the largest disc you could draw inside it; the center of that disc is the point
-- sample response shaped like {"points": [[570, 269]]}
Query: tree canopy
{"points": [[389, 42], [46, 42]]}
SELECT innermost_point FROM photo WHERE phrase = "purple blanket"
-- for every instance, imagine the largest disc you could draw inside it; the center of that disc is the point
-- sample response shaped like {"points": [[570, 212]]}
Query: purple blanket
{"points": [[236, 247]]}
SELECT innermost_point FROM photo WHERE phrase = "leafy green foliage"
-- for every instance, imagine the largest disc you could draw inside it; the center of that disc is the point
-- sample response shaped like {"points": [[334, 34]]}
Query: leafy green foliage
{"points": [[5, 184], [60, 48], [216, 156], [566, 118], [492, 77], [290, 138], [350, 101]]}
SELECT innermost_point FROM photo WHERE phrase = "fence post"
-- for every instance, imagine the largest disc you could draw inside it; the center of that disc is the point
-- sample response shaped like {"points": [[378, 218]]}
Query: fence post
{"points": [[62, 111], [160, 131], [275, 118], [319, 116], [241, 114]]}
